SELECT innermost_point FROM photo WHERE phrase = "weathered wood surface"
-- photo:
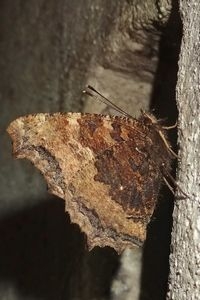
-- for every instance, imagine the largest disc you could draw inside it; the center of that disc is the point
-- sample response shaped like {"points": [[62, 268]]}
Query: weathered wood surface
{"points": [[184, 280]]}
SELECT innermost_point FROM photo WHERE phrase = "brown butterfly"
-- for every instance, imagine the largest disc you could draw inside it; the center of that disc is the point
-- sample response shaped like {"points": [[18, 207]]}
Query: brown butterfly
{"points": [[108, 169]]}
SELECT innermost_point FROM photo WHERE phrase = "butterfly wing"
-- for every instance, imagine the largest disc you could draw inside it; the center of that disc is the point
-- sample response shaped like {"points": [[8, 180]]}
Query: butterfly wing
{"points": [[100, 166]]}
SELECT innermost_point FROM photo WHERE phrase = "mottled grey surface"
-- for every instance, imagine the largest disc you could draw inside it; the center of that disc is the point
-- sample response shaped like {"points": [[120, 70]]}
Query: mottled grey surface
{"points": [[184, 277]]}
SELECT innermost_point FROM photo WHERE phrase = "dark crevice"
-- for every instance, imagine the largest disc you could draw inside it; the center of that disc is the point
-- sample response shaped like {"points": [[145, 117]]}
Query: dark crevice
{"points": [[155, 268]]}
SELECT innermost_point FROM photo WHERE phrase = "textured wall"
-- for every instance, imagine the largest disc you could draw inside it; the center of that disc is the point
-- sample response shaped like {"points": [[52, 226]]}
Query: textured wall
{"points": [[185, 247]]}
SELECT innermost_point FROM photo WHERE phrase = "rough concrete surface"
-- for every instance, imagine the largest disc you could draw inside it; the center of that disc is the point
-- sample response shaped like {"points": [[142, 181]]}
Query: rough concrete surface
{"points": [[184, 280]]}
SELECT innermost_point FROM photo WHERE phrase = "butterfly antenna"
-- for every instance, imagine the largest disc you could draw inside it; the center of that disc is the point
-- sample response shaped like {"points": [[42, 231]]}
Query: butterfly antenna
{"points": [[90, 90]]}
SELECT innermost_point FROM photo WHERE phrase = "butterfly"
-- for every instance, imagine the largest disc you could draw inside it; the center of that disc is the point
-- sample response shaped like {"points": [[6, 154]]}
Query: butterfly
{"points": [[108, 169]]}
